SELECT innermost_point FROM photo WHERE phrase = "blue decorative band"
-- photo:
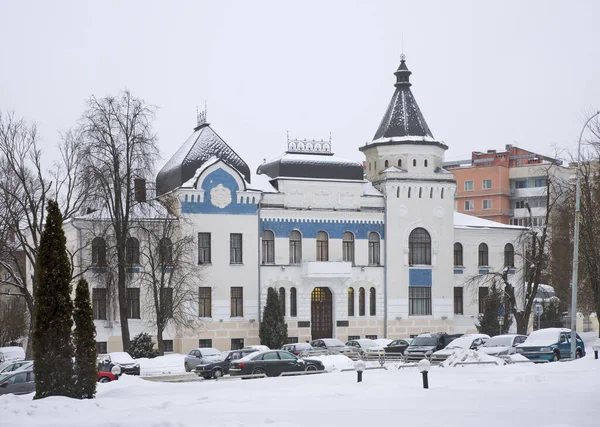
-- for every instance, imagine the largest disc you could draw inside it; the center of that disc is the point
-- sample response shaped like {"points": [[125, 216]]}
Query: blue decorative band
{"points": [[310, 227], [458, 271], [420, 277], [484, 271]]}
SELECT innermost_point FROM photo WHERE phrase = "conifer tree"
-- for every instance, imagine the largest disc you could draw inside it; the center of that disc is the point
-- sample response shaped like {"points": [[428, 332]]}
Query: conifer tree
{"points": [[52, 349], [487, 322], [273, 329], [86, 364]]}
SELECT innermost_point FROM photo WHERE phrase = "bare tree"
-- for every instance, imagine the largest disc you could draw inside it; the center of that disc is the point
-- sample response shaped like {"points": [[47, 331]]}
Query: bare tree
{"points": [[13, 319], [120, 147]]}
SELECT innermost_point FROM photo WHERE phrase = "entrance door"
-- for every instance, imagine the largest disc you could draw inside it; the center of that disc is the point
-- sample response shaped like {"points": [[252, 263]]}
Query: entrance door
{"points": [[321, 313]]}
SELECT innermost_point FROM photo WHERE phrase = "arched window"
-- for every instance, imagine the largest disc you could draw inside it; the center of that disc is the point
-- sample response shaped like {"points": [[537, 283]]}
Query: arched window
{"points": [[387, 164], [268, 247], [374, 254], [348, 247], [295, 247], [509, 255], [282, 300], [419, 247], [414, 162], [293, 303], [483, 255], [350, 301], [165, 251], [322, 246], [425, 162], [458, 255], [372, 302], [99, 252], [361, 302], [375, 165], [132, 251], [399, 163]]}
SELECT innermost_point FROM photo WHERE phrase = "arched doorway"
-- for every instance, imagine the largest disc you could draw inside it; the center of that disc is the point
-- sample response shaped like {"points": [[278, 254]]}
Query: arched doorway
{"points": [[321, 313]]}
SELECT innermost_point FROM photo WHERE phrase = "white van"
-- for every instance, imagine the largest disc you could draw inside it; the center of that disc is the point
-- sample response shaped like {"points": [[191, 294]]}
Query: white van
{"points": [[11, 353]]}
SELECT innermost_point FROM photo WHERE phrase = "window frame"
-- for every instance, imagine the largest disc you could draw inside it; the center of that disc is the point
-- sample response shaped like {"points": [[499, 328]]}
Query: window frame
{"points": [[348, 247], [458, 255], [482, 295], [133, 304], [281, 296], [99, 303], [236, 301], [419, 301], [99, 251], [484, 186], [295, 247], [235, 250], [488, 202], [204, 248], [351, 301], [374, 248], [372, 301], [472, 185], [419, 247], [509, 255], [268, 247], [293, 302], [458, 300], [483, 252], [205, 302], [361, 301], [132, 251], [322, 246], [469, 205]]}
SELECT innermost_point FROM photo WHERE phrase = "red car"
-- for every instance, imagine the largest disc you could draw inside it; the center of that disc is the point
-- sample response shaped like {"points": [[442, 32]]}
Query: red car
{"points": [[106, 377]]}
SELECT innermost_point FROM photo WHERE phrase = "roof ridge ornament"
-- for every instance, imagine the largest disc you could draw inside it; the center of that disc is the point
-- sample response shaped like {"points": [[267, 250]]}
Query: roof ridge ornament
{"points": [[201, 116], [311, 146]]}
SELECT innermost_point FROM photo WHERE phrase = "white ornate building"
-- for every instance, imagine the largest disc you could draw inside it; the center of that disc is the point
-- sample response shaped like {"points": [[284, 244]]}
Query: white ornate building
{"points": [[353, 252]]}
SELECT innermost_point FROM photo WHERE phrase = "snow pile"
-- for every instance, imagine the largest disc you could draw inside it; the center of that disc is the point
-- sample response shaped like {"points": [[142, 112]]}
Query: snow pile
{"points": [[470, 356], [334, 362], [518, 358], [169, 364]]}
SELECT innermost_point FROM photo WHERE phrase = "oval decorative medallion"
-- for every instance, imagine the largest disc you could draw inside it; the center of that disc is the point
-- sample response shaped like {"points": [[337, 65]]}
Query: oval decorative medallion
{"points": [[220, 196], [438, 212]]}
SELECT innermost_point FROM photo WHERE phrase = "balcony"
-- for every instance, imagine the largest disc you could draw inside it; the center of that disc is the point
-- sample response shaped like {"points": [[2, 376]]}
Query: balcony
{"points": [[529, 192], [326, 269]]}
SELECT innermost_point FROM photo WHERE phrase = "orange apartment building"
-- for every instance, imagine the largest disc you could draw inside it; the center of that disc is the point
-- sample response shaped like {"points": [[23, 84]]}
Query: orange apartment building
{"points": [[497, 185]]}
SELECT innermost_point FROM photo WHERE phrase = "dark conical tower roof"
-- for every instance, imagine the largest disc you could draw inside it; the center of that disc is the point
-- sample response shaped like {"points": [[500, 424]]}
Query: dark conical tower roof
{"points": [[403, 118]]}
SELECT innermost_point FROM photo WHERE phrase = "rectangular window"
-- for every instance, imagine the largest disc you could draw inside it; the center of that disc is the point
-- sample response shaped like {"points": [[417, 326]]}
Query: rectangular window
{"points": [[237, 343], [292, 340], [203, 248], [458, 255], [237, 301], [469, 185], [353, 337], [235, 248], [133, 303], [268, 251], [419, 301], [540, 182], [374, 253], [487, 204], [102, 347], [168, 346], [204, 301], [295, 251], [521, 184], [371, 337], [205, 343], [348, 251], [520, 204], [99, 303], [486, 184], [483, 294], [458, 300], [166, 301], [469, 205]]}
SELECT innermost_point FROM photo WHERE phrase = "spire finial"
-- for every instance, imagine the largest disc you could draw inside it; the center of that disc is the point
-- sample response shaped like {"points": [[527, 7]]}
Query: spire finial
{"points": [[200, 116]]}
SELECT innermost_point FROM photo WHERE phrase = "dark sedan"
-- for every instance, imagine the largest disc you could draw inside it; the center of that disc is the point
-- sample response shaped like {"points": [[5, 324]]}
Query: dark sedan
{"points": [[218, 369], [273, 363], [397, 346]]}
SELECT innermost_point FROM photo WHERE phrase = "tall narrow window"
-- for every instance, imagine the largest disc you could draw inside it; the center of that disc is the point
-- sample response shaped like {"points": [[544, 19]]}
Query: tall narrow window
{"points": [[166, 302], [99, 252], [133, 303], [99, 303], [372, 302], [483, 296], [420, 192], [509, 255], [235, 248], [282, 300], [361, 301], [419, 301], [409, 192], [322, 246], [414, 162], [483, 255], [419, 247], [399, 163], [425, 163], [293, 303], [204, 248], [350, 301], [348, 247], [295, 247], [204, 301], [268, 247], [458, 255], [387, 164], [374, 245], [442, 193], [132, 252], [237, 301], [458, 300], [165, 251]]}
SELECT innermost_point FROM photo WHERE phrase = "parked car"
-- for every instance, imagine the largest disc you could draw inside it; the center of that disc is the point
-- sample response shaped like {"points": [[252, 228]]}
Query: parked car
{"points": [[297, 348], [201, 356], [121, 359], [258, 347], [398, 346], [550, 344], [221, 367], [502, 345], [366, 346], [18, 382], [424, 345], [334, 345], [466, 342], [11, 353], [18, 365], [383, 342], [273, 363], [106, 377]]}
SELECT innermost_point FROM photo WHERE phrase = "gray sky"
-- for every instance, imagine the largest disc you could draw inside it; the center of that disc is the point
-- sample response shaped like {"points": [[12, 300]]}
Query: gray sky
{"points": [[484, 73]]}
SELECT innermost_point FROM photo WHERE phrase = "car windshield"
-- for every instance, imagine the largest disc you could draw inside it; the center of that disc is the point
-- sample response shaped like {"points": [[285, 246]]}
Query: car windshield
{"points": [[425, 341], [210, 352], [462, 342], [332, 342], [544, 336], [121, 357], [499, 341], [368, 343]]}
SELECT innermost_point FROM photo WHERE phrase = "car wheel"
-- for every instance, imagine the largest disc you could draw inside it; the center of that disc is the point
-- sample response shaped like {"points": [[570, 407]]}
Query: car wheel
{"points": [[311, 368], [555, 357], [217, 373], [104, 380], [258, 371], [187, 367], [207, 377], [578, 354]]}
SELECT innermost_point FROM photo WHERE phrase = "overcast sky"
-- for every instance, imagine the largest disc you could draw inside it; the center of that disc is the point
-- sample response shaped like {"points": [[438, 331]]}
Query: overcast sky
{"points": [[485, 74]]}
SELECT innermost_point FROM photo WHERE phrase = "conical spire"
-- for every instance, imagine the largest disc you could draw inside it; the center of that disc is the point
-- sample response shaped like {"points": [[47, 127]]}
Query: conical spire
{"points": [[403, 118]]}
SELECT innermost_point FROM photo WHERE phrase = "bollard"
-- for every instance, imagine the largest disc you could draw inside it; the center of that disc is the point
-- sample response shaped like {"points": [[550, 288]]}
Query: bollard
{"points": [[596, 348], [425, 380], [424, 366], [359, 365]]}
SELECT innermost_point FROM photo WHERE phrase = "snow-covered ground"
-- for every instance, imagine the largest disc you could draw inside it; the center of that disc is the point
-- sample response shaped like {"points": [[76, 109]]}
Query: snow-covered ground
{"points": [[553, 394], [162, 365]]}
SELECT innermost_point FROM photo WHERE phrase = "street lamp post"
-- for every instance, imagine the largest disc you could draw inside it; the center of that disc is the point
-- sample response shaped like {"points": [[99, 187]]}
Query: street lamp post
{"points": [[576, 245]]}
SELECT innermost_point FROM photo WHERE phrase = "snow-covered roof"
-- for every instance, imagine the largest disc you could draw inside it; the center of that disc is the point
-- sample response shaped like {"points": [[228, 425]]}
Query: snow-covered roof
{"points": [[465, 221], [305, 165], [369, 190], [261, 183]]}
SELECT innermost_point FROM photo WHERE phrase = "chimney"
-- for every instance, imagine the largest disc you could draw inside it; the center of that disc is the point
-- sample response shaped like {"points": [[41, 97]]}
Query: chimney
{"points": [[139, 189], [508, 147]]}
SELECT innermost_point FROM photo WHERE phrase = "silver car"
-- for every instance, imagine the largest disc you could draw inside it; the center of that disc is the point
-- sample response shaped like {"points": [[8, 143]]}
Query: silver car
{"points": [[18, 382], [201, 356]]}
